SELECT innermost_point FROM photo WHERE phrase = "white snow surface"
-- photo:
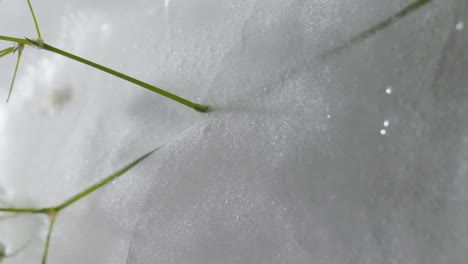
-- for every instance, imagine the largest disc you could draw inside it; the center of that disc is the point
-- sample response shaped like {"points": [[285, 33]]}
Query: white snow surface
{"points": [[290, 167]]}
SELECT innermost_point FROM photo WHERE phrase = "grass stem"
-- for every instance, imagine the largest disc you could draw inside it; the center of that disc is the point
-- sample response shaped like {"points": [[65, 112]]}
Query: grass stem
{"points": [[52, 218], [52, 212], [378, 27], [6, 51], [20, 51], [17, 40], [40, 44], [55, 210], [103, 182], [20, 210], [35, 20], [197, 107]]}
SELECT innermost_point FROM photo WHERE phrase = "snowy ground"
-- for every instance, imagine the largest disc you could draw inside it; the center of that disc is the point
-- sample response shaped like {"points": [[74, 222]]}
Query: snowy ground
{"points": [[361, 158]]}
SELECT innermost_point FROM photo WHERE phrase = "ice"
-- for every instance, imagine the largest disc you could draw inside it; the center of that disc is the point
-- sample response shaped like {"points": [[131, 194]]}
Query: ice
{"points": [[357, 158]]}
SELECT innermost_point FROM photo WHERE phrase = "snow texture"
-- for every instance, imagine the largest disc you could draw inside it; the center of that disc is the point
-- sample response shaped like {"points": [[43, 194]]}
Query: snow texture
{"points": [[359, 158]]}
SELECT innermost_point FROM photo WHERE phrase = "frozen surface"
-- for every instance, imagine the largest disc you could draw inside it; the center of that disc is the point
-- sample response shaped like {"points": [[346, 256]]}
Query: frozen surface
{"points": [[360, 158]]}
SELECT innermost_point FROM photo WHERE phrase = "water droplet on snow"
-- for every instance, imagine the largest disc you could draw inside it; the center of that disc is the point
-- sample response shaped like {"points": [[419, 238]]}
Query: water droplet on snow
{"points": [[383, 132], [388, 90], [460, 25], [386, 123]]}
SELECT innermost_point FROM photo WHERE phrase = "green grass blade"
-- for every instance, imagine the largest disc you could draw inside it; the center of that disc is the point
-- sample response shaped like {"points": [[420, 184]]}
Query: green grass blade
{"points": [[20, 51], [35, 20], [378, 27], [20, 210], [49, 233], [6, 51], [197, 107], [103, 182], [16, 40]]}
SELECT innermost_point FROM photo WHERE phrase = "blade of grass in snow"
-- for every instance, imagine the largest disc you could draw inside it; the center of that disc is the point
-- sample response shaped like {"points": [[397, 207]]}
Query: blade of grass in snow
{"points": [[104, 181], [49, 233], [16, 40], [6, 51], [20, 51], [35, 20], [52, 212], [200, 108], [20, 210], [378, 27], [42, 45], [82, 194], [39, 43]]}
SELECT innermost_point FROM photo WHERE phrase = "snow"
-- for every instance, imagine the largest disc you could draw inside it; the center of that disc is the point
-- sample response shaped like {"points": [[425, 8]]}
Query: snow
{"points": [[289, 168]]}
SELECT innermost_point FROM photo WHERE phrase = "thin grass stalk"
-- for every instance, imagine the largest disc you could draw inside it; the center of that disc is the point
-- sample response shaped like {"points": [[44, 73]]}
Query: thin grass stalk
{"points": [[6, 51], [35, 20], [197, 107], [20, 51], [20, 210], [40, 44], [103, 182], [52, 218], [16, 40], [378, 27]]}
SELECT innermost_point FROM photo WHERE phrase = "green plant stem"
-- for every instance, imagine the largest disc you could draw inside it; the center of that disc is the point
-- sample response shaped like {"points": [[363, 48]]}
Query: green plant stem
{"points": [[40, 44], [197, 107], [103, 182], [20, 51], [35, 20], [52, 212], [52, 218], [378, 27], [6, 51], [17, 40], [82, 194], [20, 210]]}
